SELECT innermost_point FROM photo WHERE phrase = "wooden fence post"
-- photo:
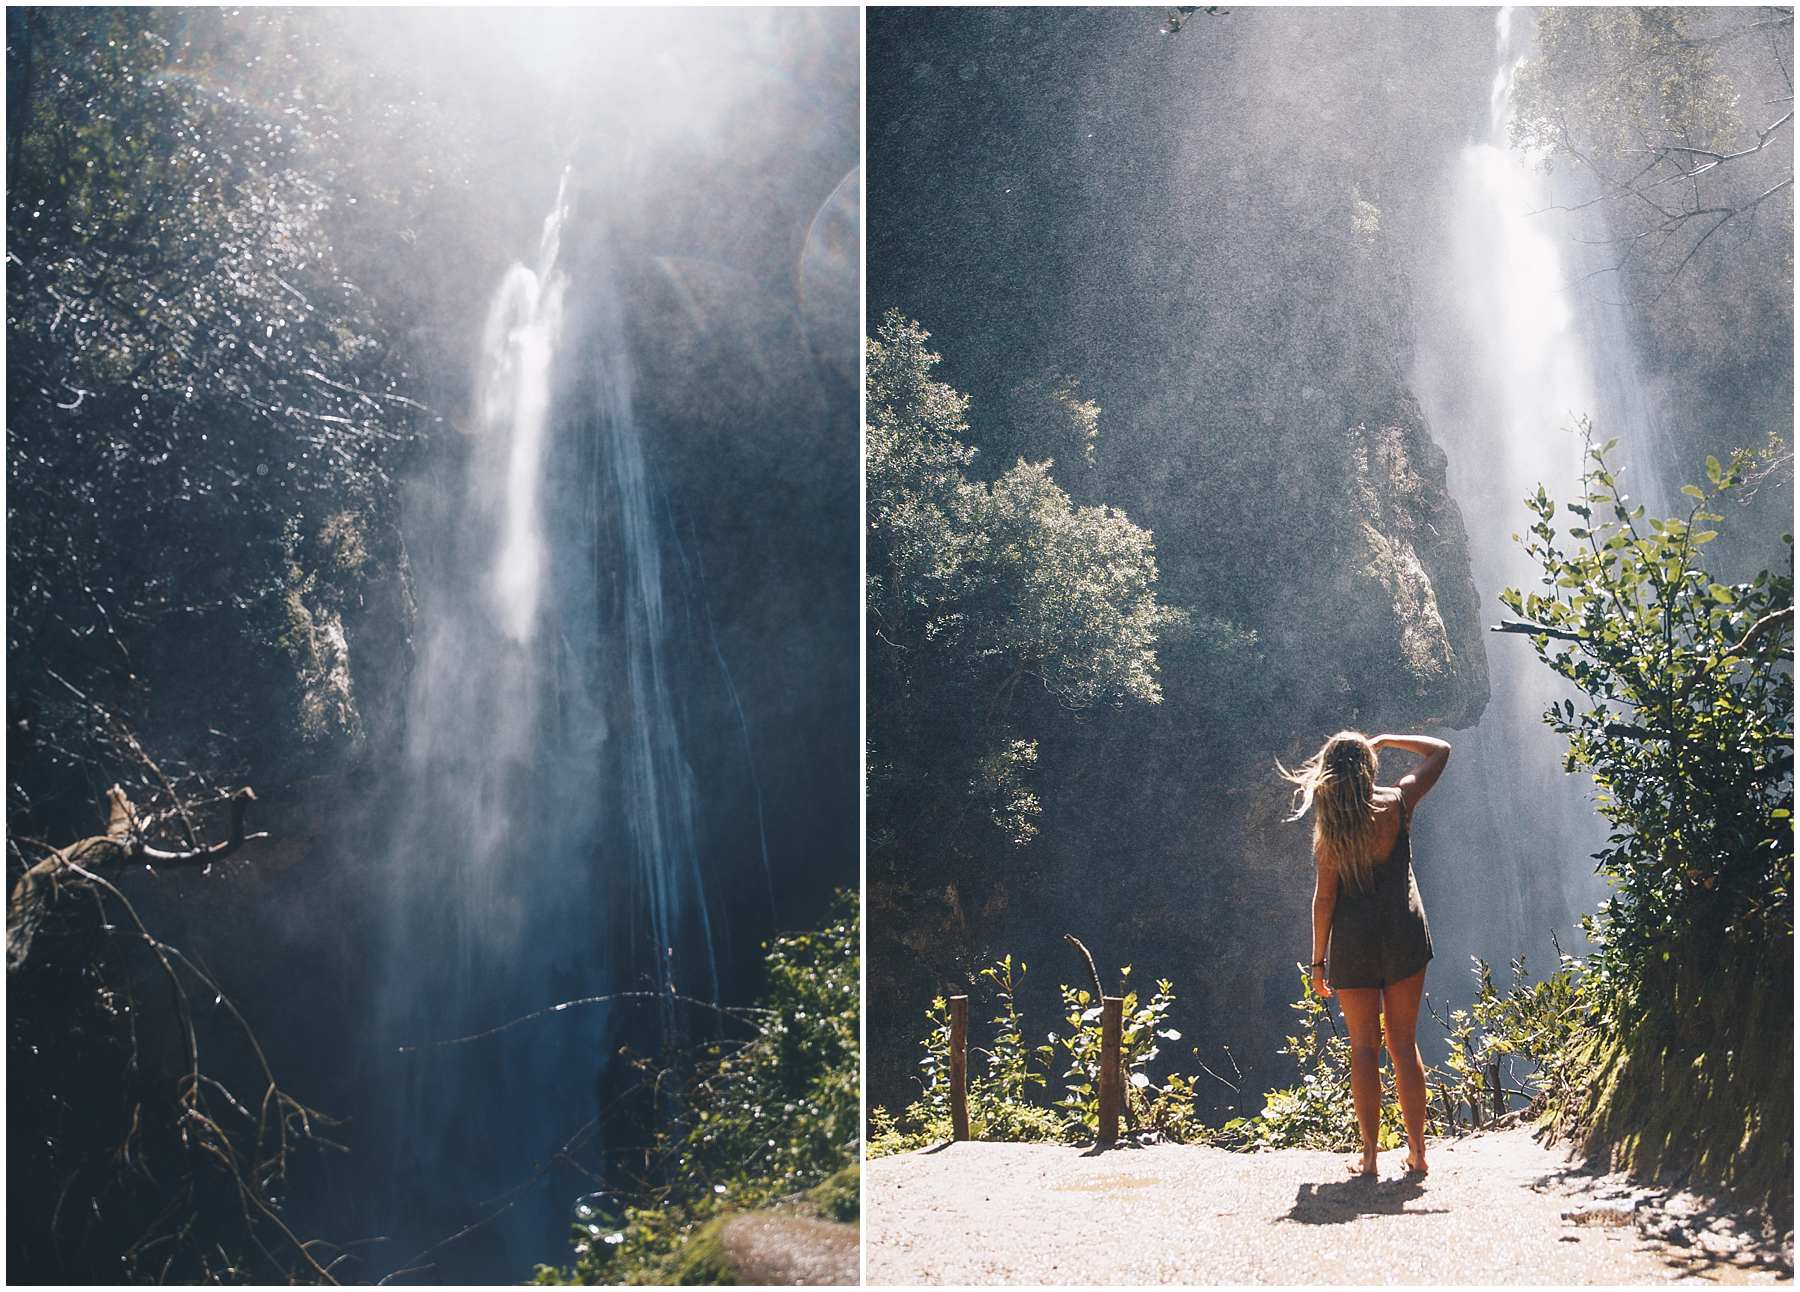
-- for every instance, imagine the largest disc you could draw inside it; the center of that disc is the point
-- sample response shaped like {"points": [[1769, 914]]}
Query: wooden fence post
{"points": [[959, 1066], [1112, 1080]]}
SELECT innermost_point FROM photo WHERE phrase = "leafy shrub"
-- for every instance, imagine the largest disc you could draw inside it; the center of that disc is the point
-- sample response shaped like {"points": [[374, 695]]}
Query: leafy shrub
{"points": [[766, 1121], [1011, 1100], [1687, 730], [1000, 1102], [1140, 1028], [1519, 1045]]}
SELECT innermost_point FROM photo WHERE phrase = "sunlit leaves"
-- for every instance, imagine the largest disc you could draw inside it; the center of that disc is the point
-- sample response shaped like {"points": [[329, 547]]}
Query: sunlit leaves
{"points": [[191, 368], [1687, 729], [759, 1120], [986, 598]]}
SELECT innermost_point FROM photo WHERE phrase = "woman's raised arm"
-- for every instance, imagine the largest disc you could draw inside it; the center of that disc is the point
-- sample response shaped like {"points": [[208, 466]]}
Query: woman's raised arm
{"points": [[1417, 783]]}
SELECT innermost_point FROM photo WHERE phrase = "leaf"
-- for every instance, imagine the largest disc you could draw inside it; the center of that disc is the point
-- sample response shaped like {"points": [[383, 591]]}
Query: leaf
{"points": [[1694, 491]]}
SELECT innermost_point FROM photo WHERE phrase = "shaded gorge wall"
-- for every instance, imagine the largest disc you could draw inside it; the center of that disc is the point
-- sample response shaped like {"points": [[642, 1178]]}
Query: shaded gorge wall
{"points": [[1218, 231], [681, 684]]}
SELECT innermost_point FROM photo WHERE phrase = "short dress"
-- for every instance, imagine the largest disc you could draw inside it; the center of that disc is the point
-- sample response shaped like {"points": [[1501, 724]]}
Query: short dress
{"points": [[1379, 935]]}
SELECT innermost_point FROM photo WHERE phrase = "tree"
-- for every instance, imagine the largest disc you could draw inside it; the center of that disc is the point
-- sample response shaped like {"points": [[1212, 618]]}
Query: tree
{"points": [[1683, 118], [201, 407], [202, 410], [976, 589]]}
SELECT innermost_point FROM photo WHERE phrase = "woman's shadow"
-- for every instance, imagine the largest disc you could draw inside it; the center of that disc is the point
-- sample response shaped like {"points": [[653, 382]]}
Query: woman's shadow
{"points": [[1342, 1201]]}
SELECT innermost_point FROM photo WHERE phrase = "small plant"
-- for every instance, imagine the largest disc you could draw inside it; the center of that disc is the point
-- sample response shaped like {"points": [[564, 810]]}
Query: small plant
{"points": [[1512, 1049], [1147, 1106], [768, 1121], [1001, 1102], [1004, 1102], [926, 1120], [934, 1068], [1319, 1112]]}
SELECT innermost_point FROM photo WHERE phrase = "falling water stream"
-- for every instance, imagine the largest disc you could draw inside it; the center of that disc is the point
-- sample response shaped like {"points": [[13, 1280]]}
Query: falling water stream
{"points": [[1520, 344], [551, 842]]}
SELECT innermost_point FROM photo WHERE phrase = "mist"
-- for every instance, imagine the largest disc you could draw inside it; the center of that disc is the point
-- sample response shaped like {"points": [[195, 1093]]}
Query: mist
{"points": [[1337, 329], [579, 685]]}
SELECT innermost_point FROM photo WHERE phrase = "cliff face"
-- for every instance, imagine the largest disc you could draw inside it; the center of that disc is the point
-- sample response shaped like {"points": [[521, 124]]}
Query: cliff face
{"points": [[1213, 232]]}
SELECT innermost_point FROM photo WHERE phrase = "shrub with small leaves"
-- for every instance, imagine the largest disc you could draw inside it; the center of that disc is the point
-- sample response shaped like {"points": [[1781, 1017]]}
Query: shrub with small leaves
{"points": [[1320, 1112], [1011, 1101], [766, 1121], [1687, 727]]}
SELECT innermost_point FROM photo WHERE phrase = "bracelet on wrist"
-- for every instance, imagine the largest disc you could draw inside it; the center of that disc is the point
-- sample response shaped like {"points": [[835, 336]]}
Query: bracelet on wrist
{"points": [[1317, 964]]}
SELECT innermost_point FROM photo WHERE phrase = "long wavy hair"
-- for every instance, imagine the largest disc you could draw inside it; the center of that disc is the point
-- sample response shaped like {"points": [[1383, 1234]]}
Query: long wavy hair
{"points": [[1338, 783]]}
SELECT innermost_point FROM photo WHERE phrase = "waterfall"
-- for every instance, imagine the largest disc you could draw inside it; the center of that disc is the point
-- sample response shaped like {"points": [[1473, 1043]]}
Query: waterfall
{"points": [[549, 843], [1518, 340]]}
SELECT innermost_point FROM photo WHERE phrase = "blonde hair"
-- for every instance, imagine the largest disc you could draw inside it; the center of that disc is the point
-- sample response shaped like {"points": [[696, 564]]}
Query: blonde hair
{"points": [[1338, 782]]}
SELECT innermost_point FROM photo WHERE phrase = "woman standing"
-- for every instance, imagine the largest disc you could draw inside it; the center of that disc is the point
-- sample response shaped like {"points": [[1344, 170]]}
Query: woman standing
{"points": [[1366, 905]]}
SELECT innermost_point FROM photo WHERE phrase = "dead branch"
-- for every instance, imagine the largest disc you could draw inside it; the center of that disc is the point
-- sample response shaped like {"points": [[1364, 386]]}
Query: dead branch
{"points": [[741, 1013], [1088, 956], [121, 844], [280, 1121], [1534, 630]]}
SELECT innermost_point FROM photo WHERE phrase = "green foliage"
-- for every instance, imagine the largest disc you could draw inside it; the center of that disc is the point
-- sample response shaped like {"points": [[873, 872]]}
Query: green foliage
{"points": [[1007, 576], [1142, 1025], [1611, 78], [976, 588], [1011, 1100], [1320, 1112], [1001, 1099], [1685, 723], [1686, 720], [1004, 780], [934, 1068], [1681, 120], [839, 1195], [768, 1121], [906, 1133], [203, 401], [1523, 1044]]}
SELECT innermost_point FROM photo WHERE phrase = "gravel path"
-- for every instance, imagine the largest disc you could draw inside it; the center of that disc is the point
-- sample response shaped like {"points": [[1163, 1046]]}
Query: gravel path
{"points": [[1497, 1208]]}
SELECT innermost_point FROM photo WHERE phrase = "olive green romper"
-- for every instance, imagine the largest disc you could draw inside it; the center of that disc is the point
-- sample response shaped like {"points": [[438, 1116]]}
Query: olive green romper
{"points": [[1379, 936]]}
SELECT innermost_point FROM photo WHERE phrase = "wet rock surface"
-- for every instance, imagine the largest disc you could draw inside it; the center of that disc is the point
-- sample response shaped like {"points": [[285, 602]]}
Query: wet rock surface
{"points": [[767, 1247]]}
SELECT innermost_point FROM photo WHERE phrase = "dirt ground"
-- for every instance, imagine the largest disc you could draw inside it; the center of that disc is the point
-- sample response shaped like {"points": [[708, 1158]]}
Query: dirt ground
{"points": [[1497, 1208]]}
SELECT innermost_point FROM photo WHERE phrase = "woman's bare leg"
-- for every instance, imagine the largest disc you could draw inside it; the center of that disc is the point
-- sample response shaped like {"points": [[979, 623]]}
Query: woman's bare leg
{"points": [[1362, 1015], [1400, 1014]]}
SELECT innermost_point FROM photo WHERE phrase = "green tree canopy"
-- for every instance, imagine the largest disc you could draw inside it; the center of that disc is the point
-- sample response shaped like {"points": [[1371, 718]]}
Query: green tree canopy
{"points": [[977, 589], [194, 371], [1684, 118]]}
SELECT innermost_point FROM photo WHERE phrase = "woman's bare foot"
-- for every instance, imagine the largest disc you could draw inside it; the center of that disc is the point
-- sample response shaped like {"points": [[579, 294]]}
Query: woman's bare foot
{"points": [[1416, 1164], [1364, 1165]]}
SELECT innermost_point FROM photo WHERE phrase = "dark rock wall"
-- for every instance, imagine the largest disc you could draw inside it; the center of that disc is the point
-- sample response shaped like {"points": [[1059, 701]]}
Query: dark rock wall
{"points": [[1213, 230]]}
